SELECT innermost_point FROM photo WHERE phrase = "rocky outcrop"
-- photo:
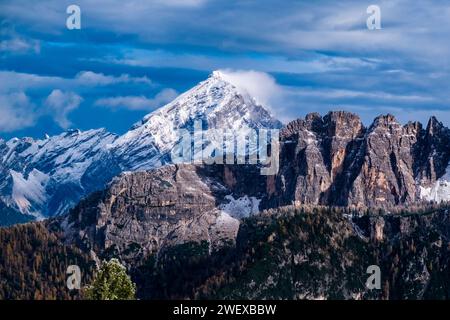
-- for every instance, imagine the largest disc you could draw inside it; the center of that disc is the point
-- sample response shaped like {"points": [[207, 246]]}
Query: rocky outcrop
{"points": [[335, 160], [386, 175], [316, 156], [142, 213], [432, 152]]}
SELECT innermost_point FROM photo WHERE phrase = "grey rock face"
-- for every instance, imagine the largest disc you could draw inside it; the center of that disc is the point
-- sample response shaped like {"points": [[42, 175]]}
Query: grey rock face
{"points": [[335, 160], [316, 155], [386, 175], [143, 213], [432, 152]]}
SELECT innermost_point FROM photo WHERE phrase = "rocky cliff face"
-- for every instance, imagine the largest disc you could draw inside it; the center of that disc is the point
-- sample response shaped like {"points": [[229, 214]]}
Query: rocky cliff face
{"points": [[144, 213], [335, 160]]}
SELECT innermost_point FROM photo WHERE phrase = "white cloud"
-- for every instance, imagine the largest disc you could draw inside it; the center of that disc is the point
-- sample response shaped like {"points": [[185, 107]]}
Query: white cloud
{"points": [[16, 112], [12, 81], [259, 85], [12, 42], [316, 62], [416, 30], [335, 94], [138, 102], [92, 78], [60, 104], [20, 45], [181, 3]]}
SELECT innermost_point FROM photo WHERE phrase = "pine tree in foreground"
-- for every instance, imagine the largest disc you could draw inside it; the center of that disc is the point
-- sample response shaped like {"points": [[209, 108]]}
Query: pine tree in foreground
{"points": [[111, 283]]}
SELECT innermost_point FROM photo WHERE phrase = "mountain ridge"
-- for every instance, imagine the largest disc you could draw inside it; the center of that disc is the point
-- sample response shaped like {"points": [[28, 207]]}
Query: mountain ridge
{"points": [[346, 163], [427, 154], [332, 159]]}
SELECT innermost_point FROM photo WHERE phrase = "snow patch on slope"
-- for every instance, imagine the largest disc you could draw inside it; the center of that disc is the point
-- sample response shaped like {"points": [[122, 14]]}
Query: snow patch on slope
{"points": [[439, 191], [28, 192], [240, 208]]}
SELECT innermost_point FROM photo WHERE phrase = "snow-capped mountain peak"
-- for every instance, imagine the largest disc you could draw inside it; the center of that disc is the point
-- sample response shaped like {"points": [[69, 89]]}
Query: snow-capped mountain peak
{"points": [[216, 102], [47, 177]]}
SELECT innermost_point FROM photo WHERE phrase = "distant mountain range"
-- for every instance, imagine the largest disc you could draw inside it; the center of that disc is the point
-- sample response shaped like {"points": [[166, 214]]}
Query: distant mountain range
{"points": [[331, 160]]}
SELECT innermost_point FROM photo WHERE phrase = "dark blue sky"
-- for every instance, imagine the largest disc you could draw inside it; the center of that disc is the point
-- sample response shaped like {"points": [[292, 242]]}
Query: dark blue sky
{"points": [[131, 57]]}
